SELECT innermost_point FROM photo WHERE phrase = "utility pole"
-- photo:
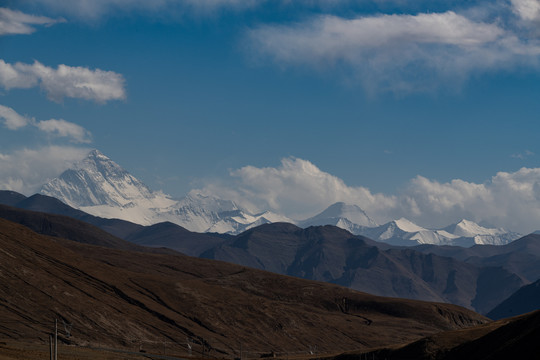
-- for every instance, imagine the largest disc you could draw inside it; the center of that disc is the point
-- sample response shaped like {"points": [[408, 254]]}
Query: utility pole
{"points": [[50, 347], [55, 339]]}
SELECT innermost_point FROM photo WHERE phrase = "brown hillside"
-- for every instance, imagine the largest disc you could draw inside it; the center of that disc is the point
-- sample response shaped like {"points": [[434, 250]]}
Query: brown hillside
{"points": [[126, 299]]}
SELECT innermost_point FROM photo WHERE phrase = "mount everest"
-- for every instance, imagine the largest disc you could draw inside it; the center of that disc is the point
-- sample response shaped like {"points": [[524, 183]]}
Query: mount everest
{"points": [[99, 186]]}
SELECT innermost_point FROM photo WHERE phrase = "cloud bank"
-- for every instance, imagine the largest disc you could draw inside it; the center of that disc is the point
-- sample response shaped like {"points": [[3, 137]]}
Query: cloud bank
{"points": [[300, 189], [402, 53], [59, 128], [16, 22], [64, 81]]}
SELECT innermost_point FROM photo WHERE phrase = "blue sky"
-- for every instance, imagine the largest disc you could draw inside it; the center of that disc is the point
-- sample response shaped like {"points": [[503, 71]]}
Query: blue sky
{"points": [[429, 111]]}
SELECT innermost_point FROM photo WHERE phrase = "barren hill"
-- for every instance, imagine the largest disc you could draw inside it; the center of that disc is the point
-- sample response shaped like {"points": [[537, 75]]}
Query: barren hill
{"points": [[127, 299]]}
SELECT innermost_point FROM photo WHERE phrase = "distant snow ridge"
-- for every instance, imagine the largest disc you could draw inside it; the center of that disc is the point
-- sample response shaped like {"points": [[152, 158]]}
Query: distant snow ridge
{"points": [[482, 235], [99, 186], [403, 232], [466, 233]]}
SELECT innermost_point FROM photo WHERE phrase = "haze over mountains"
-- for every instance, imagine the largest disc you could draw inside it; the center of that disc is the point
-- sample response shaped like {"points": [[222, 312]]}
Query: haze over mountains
{"points": [[99, 186]]}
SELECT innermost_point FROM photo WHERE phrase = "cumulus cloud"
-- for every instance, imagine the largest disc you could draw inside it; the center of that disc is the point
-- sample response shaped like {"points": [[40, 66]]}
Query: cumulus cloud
{"points": [[511, 200], [296, 187], [64, 81], [299, 189], [397, 52], [65, 129], [13, 120], [61, 128], [26, 170], [16, 22]]}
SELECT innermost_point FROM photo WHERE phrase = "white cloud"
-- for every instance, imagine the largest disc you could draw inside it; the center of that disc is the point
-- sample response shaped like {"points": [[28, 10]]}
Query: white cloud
{"points": [[64, 128], [64, 81], [12, 120], [16, 22], [528, 10], [300, 189], [26, 170], [397, 52], [511, 200], [61, 128]]}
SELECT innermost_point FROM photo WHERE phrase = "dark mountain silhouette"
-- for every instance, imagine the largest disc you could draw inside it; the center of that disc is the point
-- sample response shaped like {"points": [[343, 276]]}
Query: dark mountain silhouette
{"points": [[68, 228], [514, 338], [11, 198], [328, 253], [159, 302], [524, 300], [175, 237], [159, 235], [47, 204]]}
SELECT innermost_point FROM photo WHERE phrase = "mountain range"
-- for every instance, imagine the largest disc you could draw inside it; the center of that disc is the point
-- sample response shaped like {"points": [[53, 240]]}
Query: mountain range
{"points": [[129, 282], [99, 186], [330, 254], [324, 253], [118, 295]]}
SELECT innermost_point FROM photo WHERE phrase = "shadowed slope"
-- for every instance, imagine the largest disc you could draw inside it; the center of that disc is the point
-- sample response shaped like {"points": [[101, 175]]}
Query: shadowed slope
{"points": [[66, 227], [159, 235], [512, 338], [328, 253], [524, 300]]}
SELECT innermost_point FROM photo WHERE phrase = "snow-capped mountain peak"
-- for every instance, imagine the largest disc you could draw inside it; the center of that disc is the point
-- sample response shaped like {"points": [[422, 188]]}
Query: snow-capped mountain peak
{"points": [[97, 180], [208, 202], [407, 225], [342, 215], [101, 187], [469, 228]]}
